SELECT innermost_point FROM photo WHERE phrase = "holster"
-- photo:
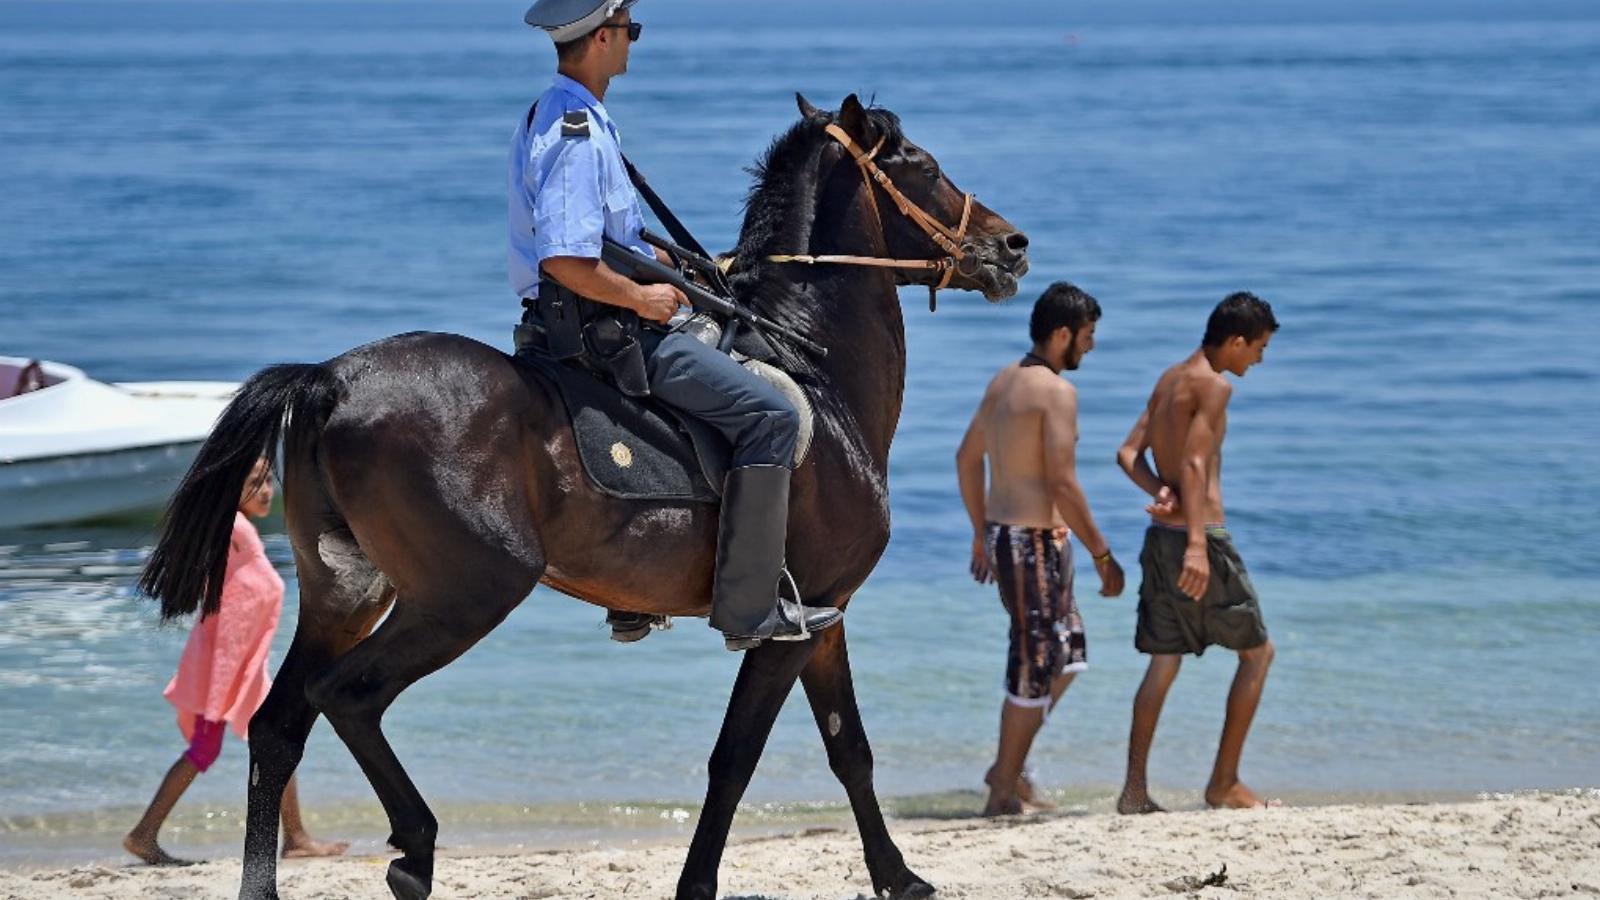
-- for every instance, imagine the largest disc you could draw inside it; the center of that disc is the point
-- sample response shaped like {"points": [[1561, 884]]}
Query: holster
{"points": [[613, 339], [605, 338], [561, 312]]}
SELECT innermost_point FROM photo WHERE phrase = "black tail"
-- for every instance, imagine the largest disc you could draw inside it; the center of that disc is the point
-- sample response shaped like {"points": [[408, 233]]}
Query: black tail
{"points": [[191, 558]]}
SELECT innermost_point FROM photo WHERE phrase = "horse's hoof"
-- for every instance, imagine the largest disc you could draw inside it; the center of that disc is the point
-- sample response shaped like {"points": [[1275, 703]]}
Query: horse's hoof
{"points": [[406, 885], [908, 887]]}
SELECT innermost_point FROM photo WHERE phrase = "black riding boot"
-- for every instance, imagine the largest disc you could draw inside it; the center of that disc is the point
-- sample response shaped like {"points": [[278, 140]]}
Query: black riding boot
{"points": [[627, 627], [745, 605]]}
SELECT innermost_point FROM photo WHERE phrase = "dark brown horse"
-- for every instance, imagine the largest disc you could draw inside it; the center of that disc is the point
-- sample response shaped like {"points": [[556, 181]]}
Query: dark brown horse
{"points": [[433, 478]]}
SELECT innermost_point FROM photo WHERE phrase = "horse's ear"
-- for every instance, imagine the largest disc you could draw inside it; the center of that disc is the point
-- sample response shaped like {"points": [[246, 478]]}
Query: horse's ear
{"points": [[807, 111], [853, 119]]}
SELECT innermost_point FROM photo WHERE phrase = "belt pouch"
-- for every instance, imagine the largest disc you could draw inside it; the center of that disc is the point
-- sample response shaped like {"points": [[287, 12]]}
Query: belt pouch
{"points": [[563, 325], [614, 347]]}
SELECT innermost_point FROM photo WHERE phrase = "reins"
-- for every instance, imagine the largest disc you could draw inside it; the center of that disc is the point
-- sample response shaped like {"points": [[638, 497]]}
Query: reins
{"points": [[951, 240]]}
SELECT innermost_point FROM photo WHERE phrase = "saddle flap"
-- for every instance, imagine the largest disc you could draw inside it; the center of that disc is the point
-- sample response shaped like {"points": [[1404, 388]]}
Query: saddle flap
{"points": [[636, 449], [629, 449]]}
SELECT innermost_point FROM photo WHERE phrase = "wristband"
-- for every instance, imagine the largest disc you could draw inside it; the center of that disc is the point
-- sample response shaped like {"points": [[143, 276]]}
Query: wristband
{"points": [[1102, 557]]}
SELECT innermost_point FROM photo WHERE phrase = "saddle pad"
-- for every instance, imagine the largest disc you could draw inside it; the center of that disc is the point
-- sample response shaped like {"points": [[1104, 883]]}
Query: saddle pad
{"points": [[643, 450]]}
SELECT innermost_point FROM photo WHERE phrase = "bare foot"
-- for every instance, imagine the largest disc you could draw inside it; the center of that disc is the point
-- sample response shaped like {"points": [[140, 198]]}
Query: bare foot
{"points": [[149, 851], [308, 848], [1023, 790], [1002, 805], [1236, 796], [1029, 795], [1137, 804]]}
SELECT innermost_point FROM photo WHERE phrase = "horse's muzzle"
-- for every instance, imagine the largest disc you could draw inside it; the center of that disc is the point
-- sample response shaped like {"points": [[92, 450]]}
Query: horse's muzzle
{"points": [[995, 265]]}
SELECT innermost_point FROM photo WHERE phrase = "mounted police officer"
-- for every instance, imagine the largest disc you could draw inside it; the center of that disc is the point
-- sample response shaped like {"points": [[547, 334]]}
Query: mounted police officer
{"points": [[568, 189]]}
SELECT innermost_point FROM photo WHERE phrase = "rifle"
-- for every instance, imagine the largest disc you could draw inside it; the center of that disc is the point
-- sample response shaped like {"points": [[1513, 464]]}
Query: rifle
{"points": [[648, 270], [708, 269]]}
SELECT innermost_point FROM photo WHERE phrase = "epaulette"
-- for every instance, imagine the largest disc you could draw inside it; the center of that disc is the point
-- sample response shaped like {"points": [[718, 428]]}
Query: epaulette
{"points": [[575, 124]]}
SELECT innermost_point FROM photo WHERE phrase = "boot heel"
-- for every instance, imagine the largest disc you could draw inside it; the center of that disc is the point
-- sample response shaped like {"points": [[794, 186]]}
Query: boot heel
{"points": [[742, 643]]}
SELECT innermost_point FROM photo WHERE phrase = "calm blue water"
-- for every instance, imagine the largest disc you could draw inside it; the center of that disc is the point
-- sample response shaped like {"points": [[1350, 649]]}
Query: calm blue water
{"points": [[1410, 476]]}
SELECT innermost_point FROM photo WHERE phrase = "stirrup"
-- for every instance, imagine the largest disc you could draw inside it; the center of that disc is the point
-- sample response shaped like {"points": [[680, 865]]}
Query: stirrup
{"points": [[790, 620]]}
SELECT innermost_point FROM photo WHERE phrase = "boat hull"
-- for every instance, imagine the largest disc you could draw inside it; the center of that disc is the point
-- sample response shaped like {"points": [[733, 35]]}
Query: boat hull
{"points": [[81, 487]]}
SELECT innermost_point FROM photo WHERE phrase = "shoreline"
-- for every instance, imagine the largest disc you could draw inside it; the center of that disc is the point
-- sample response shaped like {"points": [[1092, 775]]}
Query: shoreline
{"points": [[34, 842], [1525, 845]]}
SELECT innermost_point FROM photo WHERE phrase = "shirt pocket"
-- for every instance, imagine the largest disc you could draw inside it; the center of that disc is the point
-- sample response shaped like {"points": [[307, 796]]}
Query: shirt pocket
{"points": [[621, 204], [621, 213]]}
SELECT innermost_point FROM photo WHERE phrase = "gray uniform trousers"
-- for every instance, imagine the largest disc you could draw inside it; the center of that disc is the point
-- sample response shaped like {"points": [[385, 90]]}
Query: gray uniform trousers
{"points": [[759, 421]]}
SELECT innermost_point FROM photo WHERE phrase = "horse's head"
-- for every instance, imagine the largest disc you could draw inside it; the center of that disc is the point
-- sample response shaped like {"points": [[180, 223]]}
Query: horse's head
{"points": [[923, 214]]}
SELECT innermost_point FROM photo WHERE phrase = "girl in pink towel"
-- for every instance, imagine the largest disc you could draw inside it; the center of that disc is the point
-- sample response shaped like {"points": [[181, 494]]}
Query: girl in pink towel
{"points": [[222, 679]]}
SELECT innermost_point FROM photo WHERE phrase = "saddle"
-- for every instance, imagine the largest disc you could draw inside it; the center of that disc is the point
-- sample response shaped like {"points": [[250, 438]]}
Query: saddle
{"points": [[642, 449]]}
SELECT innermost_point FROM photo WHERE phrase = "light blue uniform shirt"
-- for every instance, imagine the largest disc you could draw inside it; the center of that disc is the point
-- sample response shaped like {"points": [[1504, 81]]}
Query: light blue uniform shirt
{"points": [[566, 192]]}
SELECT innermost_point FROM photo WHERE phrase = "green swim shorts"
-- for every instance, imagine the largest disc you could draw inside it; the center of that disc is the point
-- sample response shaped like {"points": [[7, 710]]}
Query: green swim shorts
{"points": [[1171, 621]]}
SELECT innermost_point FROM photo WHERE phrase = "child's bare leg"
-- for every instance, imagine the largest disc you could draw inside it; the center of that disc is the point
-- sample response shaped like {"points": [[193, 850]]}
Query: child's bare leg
{"points": [[1225, 789], [297, 842], [141, 841], [1146, 713]]}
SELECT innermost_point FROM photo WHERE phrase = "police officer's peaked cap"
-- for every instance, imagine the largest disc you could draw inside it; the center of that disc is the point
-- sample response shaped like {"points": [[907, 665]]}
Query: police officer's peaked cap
{"points": [[566, 20]]}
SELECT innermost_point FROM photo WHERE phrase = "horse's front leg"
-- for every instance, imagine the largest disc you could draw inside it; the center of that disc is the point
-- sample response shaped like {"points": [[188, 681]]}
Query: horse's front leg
{"points": [[765, 678], [833, 703]]}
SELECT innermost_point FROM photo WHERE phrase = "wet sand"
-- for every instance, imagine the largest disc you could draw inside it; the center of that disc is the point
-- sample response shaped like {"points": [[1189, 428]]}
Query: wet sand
{"points": [[1527, 846]]}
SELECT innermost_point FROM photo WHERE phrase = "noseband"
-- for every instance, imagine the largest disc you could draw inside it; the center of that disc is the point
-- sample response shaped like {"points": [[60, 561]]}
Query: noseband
{"points": [[951, 240]]}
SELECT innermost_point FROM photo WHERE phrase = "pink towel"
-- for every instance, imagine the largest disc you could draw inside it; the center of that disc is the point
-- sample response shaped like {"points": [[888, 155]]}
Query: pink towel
{"points": [[223, 674]]}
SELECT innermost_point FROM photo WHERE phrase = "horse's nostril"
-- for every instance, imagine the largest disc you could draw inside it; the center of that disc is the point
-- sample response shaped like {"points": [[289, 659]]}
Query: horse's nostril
{"points": [[1016, 241]]}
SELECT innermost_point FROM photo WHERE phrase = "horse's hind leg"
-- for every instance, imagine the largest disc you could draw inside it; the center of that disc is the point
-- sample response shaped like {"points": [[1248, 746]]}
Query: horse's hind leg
{"points": [[427, 630], [833, 702], [765, 678], [335, 612]]}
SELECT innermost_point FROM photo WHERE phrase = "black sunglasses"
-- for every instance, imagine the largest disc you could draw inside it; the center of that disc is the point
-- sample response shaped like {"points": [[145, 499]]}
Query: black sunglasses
{"points": [[634, 29]]}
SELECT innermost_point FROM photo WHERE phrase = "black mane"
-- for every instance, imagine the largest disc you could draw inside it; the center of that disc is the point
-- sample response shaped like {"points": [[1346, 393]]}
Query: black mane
{"points": [[779, 214], [779, 205]]}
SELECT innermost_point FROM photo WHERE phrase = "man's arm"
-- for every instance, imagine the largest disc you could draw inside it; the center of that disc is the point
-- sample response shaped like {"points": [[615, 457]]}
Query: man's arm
{"points": [[971, 476], [1199, 446], [1061, 474], [1131, 457], [569, 234], [595, 280]]}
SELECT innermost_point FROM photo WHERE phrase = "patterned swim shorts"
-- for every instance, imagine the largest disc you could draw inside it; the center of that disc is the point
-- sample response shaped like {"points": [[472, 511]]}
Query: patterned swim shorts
{"points": [[1034, 574]]}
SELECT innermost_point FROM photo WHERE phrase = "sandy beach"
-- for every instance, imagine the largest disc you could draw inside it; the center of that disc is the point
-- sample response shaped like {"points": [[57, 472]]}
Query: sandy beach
{"points": [[1526, 846]]}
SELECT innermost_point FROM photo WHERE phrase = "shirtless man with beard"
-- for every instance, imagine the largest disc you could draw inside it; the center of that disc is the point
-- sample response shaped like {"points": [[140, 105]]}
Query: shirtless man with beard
{"points": [[1027, 427]]}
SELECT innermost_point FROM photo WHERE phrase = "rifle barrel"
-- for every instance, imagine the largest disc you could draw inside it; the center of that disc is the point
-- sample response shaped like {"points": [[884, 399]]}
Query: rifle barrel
{"points": [[652, 271]]}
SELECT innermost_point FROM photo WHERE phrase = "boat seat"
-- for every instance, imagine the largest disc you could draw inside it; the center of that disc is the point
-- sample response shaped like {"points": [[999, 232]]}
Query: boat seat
{"points": [[30, 378]]}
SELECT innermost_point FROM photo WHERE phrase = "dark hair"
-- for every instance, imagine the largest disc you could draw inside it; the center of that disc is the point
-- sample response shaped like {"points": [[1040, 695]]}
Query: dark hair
{"points": [[1061, 305], [1240, 314], [573, 50]]}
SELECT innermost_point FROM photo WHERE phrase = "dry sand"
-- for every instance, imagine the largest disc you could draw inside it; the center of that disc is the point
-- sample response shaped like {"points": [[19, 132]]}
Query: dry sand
{"points": [[1527, 846]]}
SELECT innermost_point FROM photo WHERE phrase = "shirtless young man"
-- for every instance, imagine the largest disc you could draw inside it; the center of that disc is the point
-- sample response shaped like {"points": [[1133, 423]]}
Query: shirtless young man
{"points": [[1195, 591], [1027, 426]]}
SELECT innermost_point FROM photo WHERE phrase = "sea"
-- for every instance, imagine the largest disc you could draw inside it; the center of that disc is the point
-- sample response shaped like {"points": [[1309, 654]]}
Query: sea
{"points": [[194, 191]]}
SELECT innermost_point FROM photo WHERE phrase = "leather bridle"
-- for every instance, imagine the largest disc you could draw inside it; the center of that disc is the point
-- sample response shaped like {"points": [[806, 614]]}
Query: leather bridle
{"points": [[951, 240]]}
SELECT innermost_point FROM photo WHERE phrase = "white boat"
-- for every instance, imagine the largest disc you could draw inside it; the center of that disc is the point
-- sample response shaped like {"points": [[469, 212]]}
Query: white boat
{"points": [[72, 448]]}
